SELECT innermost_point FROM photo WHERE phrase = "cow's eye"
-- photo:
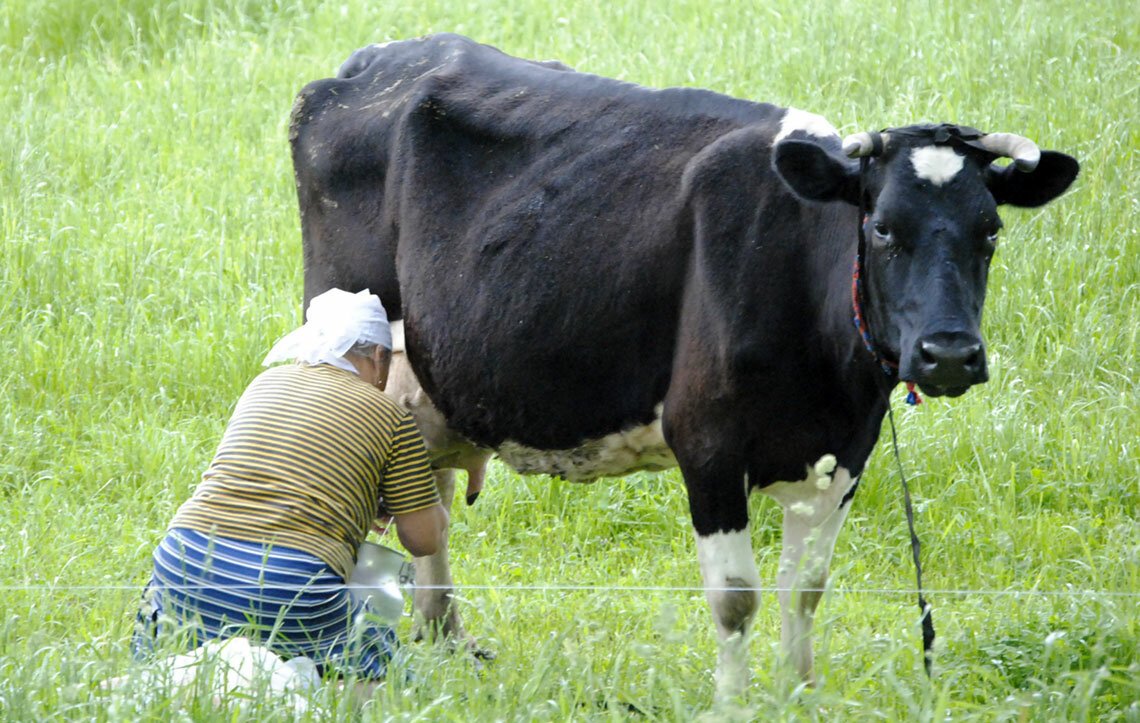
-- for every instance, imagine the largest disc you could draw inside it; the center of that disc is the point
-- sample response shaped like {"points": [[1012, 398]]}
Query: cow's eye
{"points": [[991, 243], [882, 231]]}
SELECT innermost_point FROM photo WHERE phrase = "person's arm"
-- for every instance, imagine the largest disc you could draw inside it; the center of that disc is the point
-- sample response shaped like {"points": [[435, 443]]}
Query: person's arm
{"points": [[421, 532], [409, 492]]}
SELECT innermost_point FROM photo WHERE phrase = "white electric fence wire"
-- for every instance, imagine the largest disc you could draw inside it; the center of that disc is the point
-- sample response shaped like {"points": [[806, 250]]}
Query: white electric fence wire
{"points": [[617, 589]]}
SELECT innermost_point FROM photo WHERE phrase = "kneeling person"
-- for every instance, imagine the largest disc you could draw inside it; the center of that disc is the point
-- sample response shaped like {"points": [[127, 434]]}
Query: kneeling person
{"points": [[313, 454]]}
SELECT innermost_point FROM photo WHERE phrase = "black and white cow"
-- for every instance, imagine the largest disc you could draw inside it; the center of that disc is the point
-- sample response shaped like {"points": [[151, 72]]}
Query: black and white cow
{"points": [[596, 277]]}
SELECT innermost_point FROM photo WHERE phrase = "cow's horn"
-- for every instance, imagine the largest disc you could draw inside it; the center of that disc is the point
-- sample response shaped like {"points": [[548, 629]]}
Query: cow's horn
{"points": [[1024, 152], [861, 145]]}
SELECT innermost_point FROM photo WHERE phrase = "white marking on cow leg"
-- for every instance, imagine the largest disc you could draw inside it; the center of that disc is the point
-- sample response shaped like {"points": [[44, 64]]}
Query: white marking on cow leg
{"points": [[813, 517], [800, 120], [801, 578], [936, 164], [727, 562]]}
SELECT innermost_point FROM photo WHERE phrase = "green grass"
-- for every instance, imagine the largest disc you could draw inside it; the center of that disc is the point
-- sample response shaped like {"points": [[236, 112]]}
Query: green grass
{"points": [[151, 253]]}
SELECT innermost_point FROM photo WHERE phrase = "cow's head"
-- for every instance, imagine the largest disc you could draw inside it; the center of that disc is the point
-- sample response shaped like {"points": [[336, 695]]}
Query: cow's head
{"points": [[928, 197]]}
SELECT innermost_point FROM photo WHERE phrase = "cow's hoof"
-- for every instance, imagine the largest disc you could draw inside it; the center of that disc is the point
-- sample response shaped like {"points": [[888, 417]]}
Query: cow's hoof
{"points": [[469, 646], [463, 644], [485, 656]]}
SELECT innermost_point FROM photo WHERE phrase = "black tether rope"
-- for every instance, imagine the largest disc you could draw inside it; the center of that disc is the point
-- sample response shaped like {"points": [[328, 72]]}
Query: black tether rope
{"points": [[915, 549], [915, 546]]}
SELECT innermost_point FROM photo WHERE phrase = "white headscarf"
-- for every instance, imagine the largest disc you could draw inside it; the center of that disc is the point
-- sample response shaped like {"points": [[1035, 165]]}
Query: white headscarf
{"points": [[336, 321]]}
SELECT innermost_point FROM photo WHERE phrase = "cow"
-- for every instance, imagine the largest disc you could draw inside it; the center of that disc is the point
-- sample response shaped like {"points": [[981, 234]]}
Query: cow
{"points": [[596, 277]]}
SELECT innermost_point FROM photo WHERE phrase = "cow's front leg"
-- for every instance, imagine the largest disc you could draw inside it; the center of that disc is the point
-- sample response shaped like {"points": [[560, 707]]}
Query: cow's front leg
{"points": [[814, 511], [731, 587], [724, 550]]}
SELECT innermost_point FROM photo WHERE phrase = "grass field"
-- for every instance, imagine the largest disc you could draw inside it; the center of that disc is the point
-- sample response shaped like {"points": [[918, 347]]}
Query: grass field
{"points": [[151, 253]]}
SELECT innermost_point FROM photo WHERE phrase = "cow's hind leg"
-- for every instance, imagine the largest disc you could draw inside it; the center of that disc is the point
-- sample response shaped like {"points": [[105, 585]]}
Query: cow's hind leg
{"points": [[438, 614], [814, 511]]}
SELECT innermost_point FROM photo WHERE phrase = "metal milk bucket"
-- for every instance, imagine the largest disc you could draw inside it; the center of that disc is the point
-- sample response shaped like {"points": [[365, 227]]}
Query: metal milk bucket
{"points": [[377, 577]]}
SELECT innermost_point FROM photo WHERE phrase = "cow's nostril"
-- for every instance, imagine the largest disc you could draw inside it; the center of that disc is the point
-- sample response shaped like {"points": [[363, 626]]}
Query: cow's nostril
{"points": [[973, 357], [926, 353]]}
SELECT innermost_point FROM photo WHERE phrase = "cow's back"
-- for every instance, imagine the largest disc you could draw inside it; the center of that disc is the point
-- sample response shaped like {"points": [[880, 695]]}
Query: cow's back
{"points": [[530, 224]]}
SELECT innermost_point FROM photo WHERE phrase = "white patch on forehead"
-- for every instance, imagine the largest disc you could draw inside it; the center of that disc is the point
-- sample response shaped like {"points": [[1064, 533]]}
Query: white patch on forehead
{"points": [[800, 120], [638, 448], [936, 164]]}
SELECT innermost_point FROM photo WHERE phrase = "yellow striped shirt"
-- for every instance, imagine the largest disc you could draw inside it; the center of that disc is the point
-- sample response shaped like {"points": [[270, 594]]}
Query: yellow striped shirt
{"points": [[304, 461]]}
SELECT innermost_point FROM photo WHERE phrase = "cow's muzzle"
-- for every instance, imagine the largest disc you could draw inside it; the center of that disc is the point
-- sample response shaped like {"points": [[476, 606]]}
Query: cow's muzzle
{"points": [[946, 364]]}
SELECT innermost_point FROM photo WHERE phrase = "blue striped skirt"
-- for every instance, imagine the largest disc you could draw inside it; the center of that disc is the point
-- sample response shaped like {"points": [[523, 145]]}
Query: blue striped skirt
{"points": [[207, 587]]}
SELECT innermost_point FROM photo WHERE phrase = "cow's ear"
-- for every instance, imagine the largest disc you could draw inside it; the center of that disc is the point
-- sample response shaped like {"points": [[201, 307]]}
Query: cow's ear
{"points": [[814, 173], [1052, 176]]}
